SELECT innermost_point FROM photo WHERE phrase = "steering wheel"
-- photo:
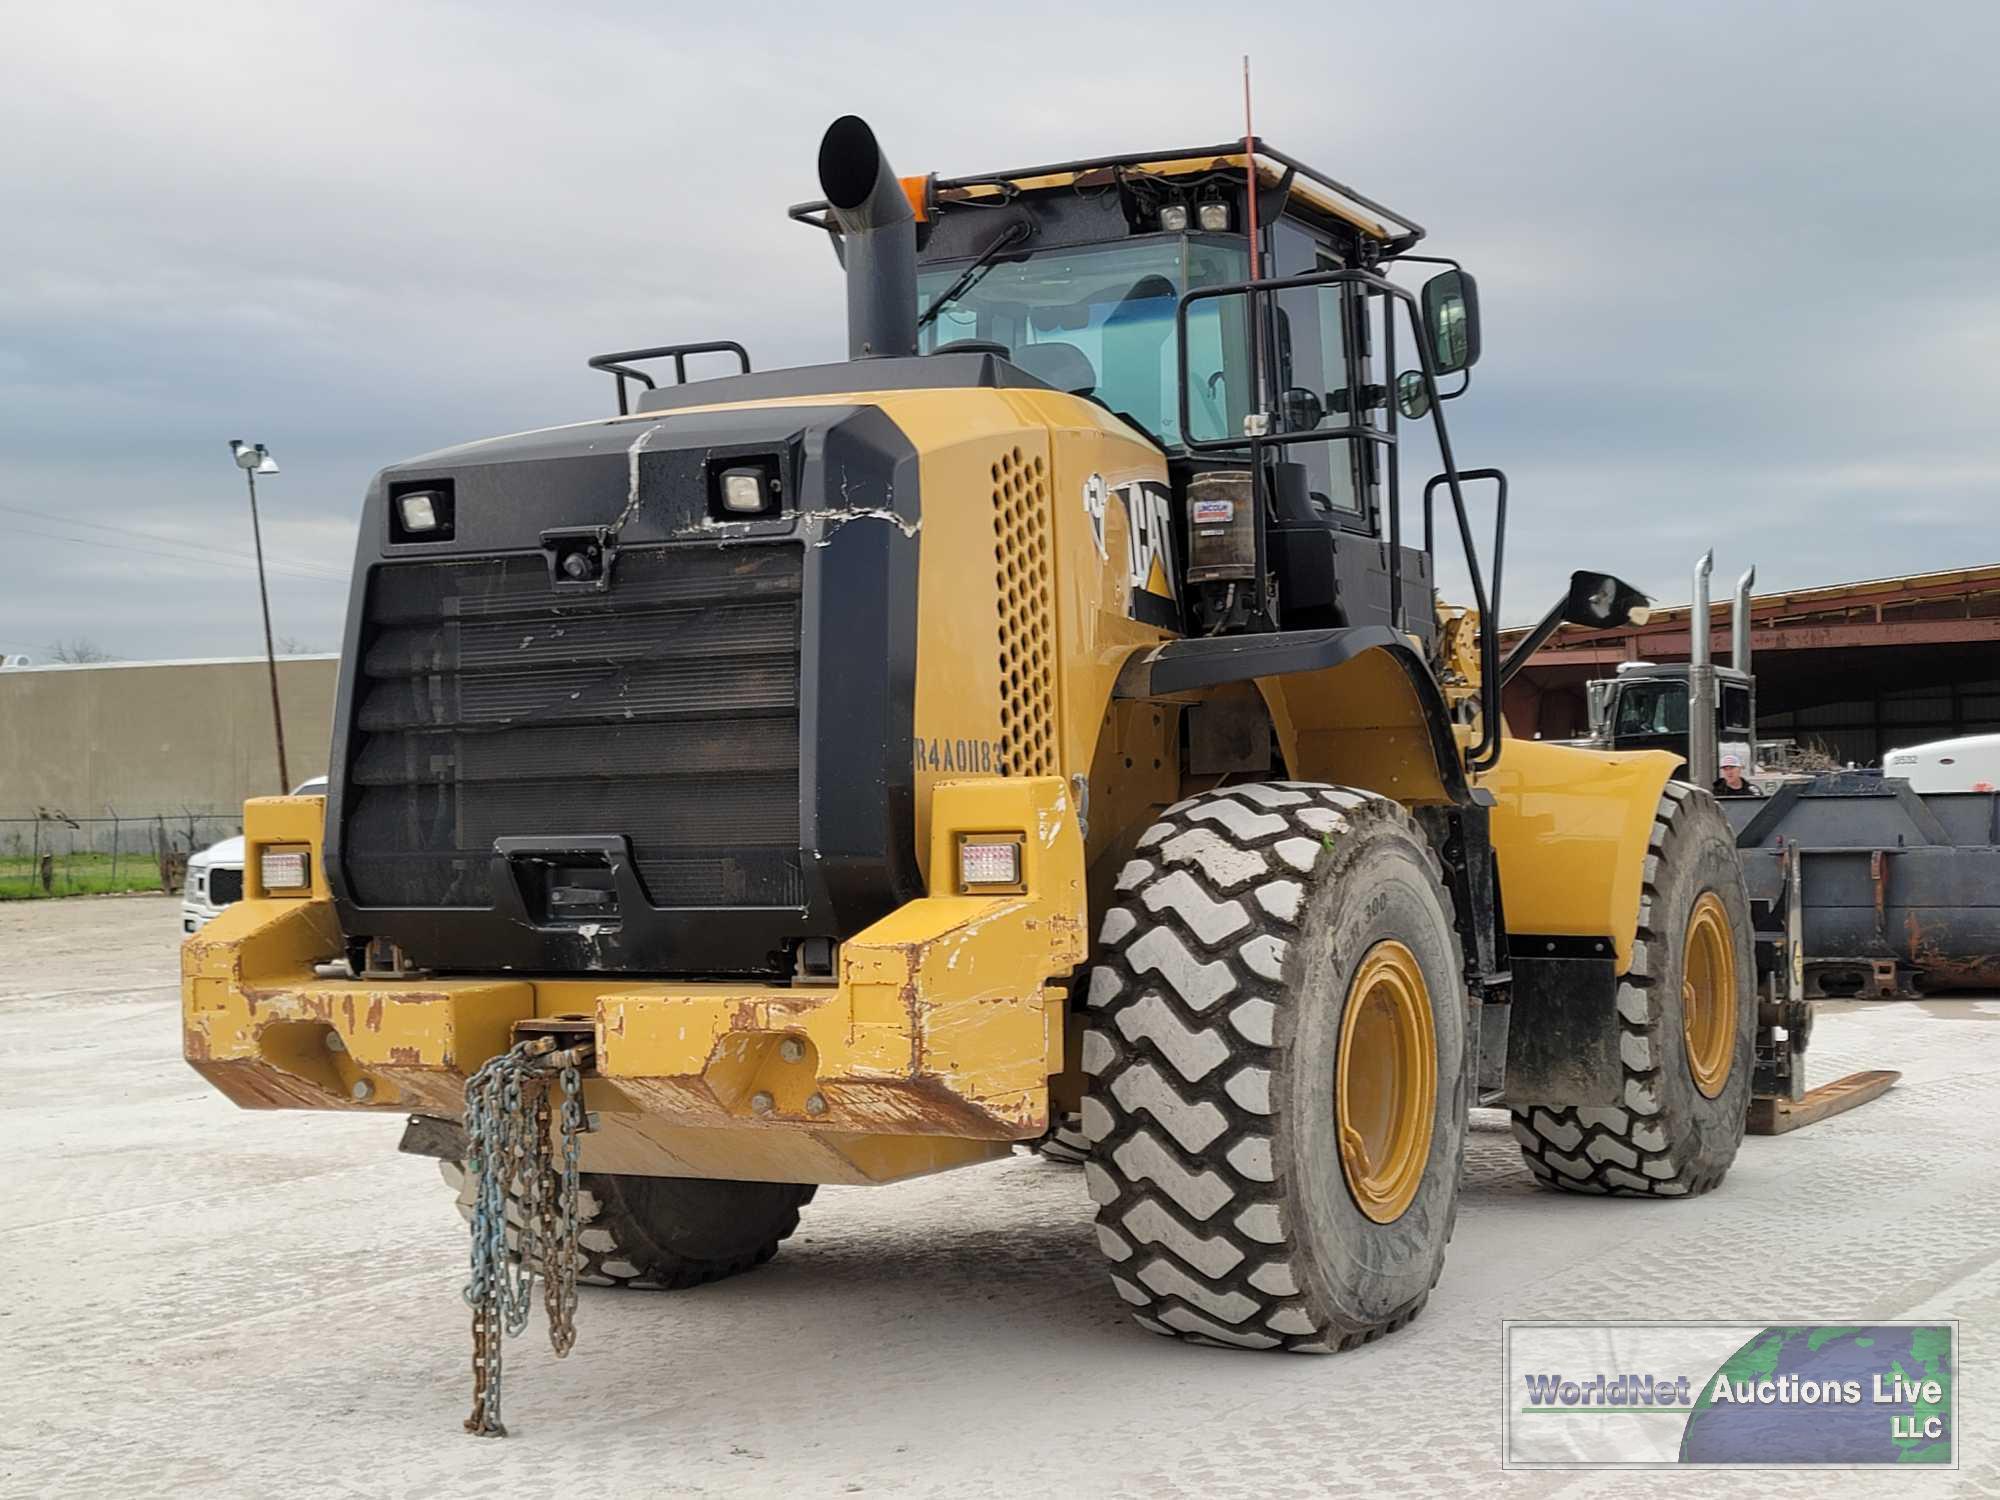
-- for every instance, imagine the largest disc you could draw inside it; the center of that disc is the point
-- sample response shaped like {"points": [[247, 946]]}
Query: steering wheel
{"points": [[974, 346]]}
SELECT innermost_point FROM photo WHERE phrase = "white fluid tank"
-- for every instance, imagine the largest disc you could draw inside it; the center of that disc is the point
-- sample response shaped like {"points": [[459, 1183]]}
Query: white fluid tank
{"points": [[1968, 764]]}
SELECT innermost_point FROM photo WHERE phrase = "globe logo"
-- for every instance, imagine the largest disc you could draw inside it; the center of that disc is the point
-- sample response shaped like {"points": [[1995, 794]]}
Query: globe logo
{"points": [[1832, 1395]]}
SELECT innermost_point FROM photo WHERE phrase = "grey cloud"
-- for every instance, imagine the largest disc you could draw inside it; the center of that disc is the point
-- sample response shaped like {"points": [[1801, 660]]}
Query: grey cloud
{"points": [[1735, 259]]}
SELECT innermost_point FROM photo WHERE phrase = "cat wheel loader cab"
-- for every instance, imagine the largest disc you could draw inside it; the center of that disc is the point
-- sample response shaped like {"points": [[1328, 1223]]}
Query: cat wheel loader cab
{"points": [[1043, 718]]}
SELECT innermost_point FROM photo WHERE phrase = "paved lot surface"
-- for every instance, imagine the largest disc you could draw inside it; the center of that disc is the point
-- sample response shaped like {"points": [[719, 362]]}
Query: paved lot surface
{"points": [[197, 1297]]}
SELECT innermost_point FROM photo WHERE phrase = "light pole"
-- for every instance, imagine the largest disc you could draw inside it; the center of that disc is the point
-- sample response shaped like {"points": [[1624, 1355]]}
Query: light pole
{"points": [[254, 461]]}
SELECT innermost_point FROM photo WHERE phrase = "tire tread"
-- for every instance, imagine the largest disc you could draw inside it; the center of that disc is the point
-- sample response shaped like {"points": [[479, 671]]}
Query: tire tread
{"points": [[1182, 1044], [1622, 1150]]}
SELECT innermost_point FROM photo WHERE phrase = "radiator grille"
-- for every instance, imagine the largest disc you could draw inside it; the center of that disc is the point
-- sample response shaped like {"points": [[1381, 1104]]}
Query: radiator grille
{"points": [[1027, 617], [225, 886], [666, 710]]}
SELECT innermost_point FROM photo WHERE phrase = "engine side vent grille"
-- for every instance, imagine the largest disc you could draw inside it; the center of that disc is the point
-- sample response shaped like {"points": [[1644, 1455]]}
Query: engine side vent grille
{"points": [[1027, 616]]}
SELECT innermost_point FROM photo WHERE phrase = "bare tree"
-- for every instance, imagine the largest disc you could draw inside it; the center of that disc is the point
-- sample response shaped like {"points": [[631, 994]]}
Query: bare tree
{"points": [[78, 650]]}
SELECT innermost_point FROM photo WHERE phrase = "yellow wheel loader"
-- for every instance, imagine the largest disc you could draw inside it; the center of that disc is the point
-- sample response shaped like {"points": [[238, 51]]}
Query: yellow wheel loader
{"points": [[1040, 726]]}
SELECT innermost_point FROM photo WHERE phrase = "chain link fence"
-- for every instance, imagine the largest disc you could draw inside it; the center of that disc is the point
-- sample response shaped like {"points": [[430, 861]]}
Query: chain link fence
{"points": [[56, 855]]}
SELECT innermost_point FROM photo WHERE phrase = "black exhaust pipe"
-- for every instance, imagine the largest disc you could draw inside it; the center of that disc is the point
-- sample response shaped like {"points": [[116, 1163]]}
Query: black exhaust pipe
{"points": [[879, 235]]}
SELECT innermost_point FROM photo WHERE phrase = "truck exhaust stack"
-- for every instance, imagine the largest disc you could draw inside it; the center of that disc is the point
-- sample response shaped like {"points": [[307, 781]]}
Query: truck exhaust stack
{"points": [[1739, 621], [879, 240], [1702, 749]]}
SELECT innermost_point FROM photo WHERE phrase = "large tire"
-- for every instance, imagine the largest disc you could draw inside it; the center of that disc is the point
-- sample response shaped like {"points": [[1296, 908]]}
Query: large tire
{"points": [[1218, 1003], [665, 1233], [1669, 1136]]}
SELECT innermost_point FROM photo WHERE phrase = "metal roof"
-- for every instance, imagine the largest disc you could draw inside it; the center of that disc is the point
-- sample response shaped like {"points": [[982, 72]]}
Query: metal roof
{"points": [[1951, 604], [1310, 188], [1945, 583]]}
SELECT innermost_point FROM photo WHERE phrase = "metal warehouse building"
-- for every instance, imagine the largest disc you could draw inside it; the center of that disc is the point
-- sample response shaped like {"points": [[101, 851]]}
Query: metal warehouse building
{"points": [[1860, 668]]}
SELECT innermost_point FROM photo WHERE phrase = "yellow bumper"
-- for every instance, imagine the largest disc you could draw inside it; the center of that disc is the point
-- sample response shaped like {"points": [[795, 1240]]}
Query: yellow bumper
{"points": [[934, 1048]]}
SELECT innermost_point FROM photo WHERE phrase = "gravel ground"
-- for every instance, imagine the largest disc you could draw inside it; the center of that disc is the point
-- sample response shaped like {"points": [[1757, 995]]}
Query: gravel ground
{"points": [[266, 1303]]}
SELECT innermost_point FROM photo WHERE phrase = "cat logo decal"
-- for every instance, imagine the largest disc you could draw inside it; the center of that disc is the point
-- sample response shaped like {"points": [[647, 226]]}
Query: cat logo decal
{"points": [[1154, 596]]}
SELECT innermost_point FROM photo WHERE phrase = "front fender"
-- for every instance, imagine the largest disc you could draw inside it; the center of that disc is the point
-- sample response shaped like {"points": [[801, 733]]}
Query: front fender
{"points": [[1569, 830]]}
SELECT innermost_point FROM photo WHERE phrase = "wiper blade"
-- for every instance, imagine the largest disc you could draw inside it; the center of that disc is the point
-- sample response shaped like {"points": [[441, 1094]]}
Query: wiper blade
{"points": [[1015, 233]]}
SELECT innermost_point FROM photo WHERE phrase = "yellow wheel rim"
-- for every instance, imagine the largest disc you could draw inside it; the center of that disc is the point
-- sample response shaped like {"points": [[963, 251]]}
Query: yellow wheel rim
{"points": [[1385, 1083], [1708, 995]]}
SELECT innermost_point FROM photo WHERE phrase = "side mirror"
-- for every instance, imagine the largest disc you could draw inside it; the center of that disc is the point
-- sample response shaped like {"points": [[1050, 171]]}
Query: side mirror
{"points": [[1301, 409], [1600, 694], [1595, 600], [1600, 601], [1412, 400], [1451, 321]]}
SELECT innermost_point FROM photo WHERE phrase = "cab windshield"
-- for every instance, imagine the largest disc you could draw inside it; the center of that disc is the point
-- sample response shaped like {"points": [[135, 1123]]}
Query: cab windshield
{"points": [[1652, 708], [1098, 321]]}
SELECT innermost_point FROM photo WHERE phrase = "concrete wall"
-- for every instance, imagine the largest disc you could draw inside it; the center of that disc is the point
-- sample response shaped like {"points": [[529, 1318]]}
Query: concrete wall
{"points": [[158, 737]]}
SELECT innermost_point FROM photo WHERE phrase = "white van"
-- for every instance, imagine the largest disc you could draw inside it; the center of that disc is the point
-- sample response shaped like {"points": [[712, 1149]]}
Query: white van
{"points": [[1970, 763], [215, 876]]}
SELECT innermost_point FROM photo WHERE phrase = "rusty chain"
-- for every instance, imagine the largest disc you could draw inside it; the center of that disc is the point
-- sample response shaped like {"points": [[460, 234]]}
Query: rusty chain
{"points": [[508, 1133], [559, 1288]]}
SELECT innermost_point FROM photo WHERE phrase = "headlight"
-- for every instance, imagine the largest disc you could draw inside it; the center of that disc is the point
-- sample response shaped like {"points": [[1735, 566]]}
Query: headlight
{"points": [[749, 491], [746, 488], [422, 512], [419, 511], [1174, 218], [1214, 217], [743, 492]]}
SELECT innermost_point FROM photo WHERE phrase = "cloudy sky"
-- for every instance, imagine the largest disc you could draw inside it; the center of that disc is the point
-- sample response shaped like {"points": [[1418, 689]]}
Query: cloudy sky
{"points": [[1736, 260]]}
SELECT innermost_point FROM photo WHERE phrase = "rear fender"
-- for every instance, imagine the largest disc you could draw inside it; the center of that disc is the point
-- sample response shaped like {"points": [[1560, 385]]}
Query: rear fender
{"points": [[1351, 707]]}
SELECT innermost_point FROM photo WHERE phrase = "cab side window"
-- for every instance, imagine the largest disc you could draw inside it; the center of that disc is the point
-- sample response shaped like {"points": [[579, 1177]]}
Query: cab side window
{"points": [[1735, 708], [1314, 329]]}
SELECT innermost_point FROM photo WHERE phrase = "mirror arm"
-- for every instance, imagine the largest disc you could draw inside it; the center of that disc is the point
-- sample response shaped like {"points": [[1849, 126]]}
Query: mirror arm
{"points": [[1533, 641], [1425, 260]]}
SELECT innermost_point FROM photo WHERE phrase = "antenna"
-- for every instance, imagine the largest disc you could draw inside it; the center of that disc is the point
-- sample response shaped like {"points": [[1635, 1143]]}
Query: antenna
{"points": [[1250, 165], [1255, 417]]}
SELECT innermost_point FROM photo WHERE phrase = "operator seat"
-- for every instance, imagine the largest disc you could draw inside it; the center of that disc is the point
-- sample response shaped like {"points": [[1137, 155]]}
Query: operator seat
{"points": [[1063, 366]]}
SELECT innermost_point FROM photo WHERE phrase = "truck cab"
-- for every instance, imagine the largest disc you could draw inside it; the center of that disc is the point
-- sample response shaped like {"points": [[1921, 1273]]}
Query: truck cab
{"points": [[1645, 707]]}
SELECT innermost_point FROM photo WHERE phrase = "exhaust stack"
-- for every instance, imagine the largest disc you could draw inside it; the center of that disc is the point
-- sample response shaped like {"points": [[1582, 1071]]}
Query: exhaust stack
{"points": [[1700, 617], [1739, 622], [878, 240], [1702, 748]]}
